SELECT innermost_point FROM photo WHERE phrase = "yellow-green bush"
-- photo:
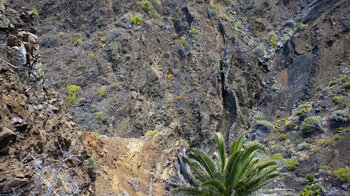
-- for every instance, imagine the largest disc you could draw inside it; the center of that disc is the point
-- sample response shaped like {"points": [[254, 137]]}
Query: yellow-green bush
{"points": [[317, 150], [264, 123], [145, 5], [214, 9], [337, 137], [309, 140], [283, 137], [137, 20], [35, 11], [327, 142], [332, 83], [99, 115], [77, 40], [102, 91], [309, 177], [151, 132], [343, 174], [72, 93], [301, 26], [325, 167], [347, 85], [291, 125], [193, 32], [300, 112], [277, 156], [344, 79], [312, 190], [336, 99], [291, 164], [312, 124]]}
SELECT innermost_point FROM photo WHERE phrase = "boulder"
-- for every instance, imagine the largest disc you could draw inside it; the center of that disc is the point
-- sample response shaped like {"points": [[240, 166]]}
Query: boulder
{"points": [[6, 135]]}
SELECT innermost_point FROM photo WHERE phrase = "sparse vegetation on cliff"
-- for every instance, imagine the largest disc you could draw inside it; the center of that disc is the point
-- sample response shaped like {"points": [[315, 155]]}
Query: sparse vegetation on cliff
{"points": [[72, 93]]}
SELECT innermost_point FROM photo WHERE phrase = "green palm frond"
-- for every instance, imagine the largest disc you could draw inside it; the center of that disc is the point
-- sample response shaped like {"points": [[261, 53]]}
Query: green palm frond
{"points": [[236, 146], [232, 168], [217, 185], [239, 173], [206, 161], [221, 147]]}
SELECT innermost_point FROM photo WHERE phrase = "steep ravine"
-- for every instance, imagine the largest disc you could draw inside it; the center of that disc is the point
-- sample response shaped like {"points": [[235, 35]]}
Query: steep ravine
{"points": [[192, 68]]}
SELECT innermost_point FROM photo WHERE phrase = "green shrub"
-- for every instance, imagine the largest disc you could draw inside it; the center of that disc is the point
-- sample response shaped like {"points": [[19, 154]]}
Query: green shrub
{"points": [[72, 93], [309, 177], [317, 150], [99, 116], [35, 11], [344, 79], [337, 137], [137, 20], [347, 85], [327, 142], [300, 112], [77, 40], [102, 91], [301, 26], [309, 140], [264, 123], [340, 115], [193, 32], [312, 124], [114, 86], [258, 115], [332, 83], [214, 9], [336, 99], [277, 156], [343, 174], [145, 5], [303, 105], [312, 190], [92, 162], [291, 164], [291, 125], [325, 167], [151, 132], [283, 137]]}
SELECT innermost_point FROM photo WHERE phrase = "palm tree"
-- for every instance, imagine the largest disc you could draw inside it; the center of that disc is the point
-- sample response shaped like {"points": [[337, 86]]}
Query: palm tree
{"points": [[235, 174]]}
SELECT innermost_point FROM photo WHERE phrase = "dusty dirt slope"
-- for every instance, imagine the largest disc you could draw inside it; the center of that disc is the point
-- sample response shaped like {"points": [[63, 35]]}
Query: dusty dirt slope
{"points": [[129, 164]]}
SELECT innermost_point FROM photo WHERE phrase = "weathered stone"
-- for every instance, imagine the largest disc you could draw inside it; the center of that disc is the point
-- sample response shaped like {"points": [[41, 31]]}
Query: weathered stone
{"points": [[259, 52], [6, 135], [2, 7], [52, 108], [4, 21], [17, 55], [19, 124]]}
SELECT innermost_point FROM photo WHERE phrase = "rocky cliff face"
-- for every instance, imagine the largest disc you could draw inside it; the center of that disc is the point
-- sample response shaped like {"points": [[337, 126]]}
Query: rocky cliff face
{"points": [[40, 147], [206, 66]]}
